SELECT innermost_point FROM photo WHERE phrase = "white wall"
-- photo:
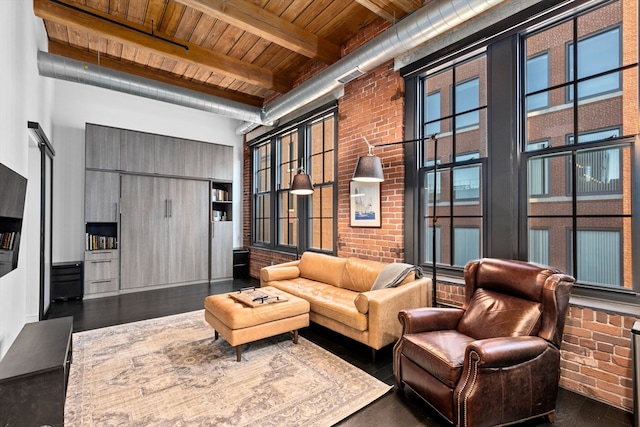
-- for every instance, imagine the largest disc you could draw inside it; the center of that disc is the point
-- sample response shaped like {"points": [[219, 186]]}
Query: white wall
{"points": [[24, 96], [62, 109], [77, 104]]}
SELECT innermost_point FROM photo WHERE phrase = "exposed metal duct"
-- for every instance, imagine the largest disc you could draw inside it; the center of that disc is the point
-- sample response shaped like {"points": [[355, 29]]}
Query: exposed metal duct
{"points": [[424, 24], [80, 72], [435, 18]]}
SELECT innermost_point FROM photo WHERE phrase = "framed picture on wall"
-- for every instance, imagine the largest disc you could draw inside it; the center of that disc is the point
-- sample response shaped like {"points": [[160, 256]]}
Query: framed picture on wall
{"points": [[365, 204]]}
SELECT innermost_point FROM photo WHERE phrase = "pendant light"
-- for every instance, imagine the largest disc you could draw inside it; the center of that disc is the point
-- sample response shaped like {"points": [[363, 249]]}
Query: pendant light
{"points": [[301, 185], [369, 167]]}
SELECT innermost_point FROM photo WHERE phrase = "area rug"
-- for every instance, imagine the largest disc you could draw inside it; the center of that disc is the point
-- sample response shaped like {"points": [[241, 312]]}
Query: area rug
{"points": [[171, 372]]}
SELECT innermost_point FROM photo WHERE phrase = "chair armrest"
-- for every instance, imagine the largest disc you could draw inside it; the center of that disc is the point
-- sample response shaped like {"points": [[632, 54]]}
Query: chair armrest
{"points": [[505, 351], [284, 271], [429, 319], [384, 305]]}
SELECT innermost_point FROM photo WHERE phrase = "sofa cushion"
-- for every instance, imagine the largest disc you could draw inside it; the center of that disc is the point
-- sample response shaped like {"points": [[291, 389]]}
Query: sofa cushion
{"points": [[321, 268], [326, 300], [492, 315], [359, 274]]}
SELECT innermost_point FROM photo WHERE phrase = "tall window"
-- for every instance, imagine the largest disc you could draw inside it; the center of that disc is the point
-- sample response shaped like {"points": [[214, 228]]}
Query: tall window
{"points": [[298, 222], [453, 164], [322, 141], [587, 179], [262, 194]]}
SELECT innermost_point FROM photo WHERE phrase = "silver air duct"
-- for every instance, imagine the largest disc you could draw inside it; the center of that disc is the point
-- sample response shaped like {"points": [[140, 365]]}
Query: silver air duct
{"points": [[79, 72], [435, 18]]}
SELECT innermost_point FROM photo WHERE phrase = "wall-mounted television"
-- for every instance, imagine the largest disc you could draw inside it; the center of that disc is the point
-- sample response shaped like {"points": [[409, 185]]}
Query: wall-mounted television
{"points": [[13, 190]]}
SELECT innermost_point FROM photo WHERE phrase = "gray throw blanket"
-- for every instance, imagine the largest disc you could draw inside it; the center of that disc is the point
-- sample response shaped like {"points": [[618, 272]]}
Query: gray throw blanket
{"points": [[392, 274]]}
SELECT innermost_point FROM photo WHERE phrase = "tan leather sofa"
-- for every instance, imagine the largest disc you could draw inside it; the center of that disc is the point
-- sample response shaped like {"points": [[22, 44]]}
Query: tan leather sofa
{"points": [[338, 291]]}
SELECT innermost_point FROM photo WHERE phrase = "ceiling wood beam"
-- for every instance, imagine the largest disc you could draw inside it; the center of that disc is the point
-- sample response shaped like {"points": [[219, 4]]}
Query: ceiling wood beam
{"points": [[88, 57], [254, 19], [94, 22], [377, 10]]}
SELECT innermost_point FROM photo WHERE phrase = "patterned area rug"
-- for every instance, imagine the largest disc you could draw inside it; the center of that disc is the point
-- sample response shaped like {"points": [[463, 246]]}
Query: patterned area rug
{"points": [[170, 372]]}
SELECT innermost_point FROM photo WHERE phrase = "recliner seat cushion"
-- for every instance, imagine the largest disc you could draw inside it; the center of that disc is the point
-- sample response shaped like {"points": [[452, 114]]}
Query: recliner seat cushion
{"points": [[492, 315], [440, 353]]}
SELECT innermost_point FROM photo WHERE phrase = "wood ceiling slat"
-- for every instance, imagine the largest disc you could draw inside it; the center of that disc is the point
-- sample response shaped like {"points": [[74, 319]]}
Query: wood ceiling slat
{"points": [[56, 31], [101, 5], [155, 12], [118, 8], [90, 58], [97, 43], [187, 24], [171, 18], [202, 30], [136, 11], [195, 55], [245, 15]]}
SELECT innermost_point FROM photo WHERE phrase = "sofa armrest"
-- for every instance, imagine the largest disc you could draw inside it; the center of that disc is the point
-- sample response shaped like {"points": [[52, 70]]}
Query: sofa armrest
{"points": [[287, 270], [384, 305]]}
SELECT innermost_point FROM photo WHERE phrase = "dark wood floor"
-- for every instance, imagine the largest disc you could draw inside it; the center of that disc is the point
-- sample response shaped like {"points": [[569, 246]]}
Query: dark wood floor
{"points": [[393, 409]]}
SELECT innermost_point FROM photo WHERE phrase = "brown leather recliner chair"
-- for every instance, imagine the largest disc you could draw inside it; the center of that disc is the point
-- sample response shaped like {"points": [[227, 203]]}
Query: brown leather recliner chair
{"points": [[497, 359]]}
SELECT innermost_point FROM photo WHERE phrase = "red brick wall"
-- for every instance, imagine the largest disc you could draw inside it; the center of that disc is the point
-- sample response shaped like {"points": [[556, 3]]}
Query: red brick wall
{"points": [[596, 354]]}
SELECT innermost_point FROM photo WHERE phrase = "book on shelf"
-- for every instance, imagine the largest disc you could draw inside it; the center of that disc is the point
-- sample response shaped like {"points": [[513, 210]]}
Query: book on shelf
{"points": [[219, 195], [7, 239], [94, 242]]}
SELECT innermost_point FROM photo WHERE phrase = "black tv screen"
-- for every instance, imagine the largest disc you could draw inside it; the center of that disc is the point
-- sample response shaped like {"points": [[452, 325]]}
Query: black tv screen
{"points": [[13, 190]]}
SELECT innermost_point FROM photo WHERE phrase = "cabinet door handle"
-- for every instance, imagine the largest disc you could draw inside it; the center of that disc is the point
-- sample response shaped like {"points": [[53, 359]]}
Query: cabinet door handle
{"points": [[170, 208], [166, 208], [100, 281], [100, 261], [115, 212]]}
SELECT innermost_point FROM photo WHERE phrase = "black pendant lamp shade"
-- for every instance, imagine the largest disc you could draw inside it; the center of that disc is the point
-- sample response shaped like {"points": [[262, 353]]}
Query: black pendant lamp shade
{"points": [[301, 185], [369, 167]]}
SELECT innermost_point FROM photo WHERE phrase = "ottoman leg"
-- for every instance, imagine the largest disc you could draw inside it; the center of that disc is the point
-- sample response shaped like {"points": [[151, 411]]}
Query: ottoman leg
{"points": [[215, 335], [295, 336], [238, 351]]}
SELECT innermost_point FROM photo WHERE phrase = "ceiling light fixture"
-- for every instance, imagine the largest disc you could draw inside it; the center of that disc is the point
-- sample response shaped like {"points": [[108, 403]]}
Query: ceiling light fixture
{"points": [[301, 185]]}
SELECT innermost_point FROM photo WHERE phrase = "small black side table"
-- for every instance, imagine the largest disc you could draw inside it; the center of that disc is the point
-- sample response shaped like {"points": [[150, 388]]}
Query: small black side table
{"points": [[34, 373]]}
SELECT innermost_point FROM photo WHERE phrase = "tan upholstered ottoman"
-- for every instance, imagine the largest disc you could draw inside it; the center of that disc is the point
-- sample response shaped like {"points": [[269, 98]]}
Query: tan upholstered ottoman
{"points": [[240, 324]]}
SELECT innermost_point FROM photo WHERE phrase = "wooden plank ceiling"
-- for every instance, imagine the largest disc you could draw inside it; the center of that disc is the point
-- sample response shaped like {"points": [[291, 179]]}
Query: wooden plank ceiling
{"points": [[246, 51]]}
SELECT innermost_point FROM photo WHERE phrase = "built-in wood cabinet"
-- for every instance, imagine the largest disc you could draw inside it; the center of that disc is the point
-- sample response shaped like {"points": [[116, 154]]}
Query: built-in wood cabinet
{"points": [[164, 224], [101, 272], [102, 196], [221, 256], [137, 152], [161, 217], [102, 147]]}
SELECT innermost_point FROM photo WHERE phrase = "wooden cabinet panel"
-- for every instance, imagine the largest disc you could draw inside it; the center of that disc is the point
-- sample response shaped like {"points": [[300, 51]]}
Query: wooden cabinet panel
{"points": [[187, 247], [101, 271], [141, 216], [222, 162], [101, 196], [170, 156], [164, 228], [221, 250], [197, 159], [102, 147], [137, 152]]}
